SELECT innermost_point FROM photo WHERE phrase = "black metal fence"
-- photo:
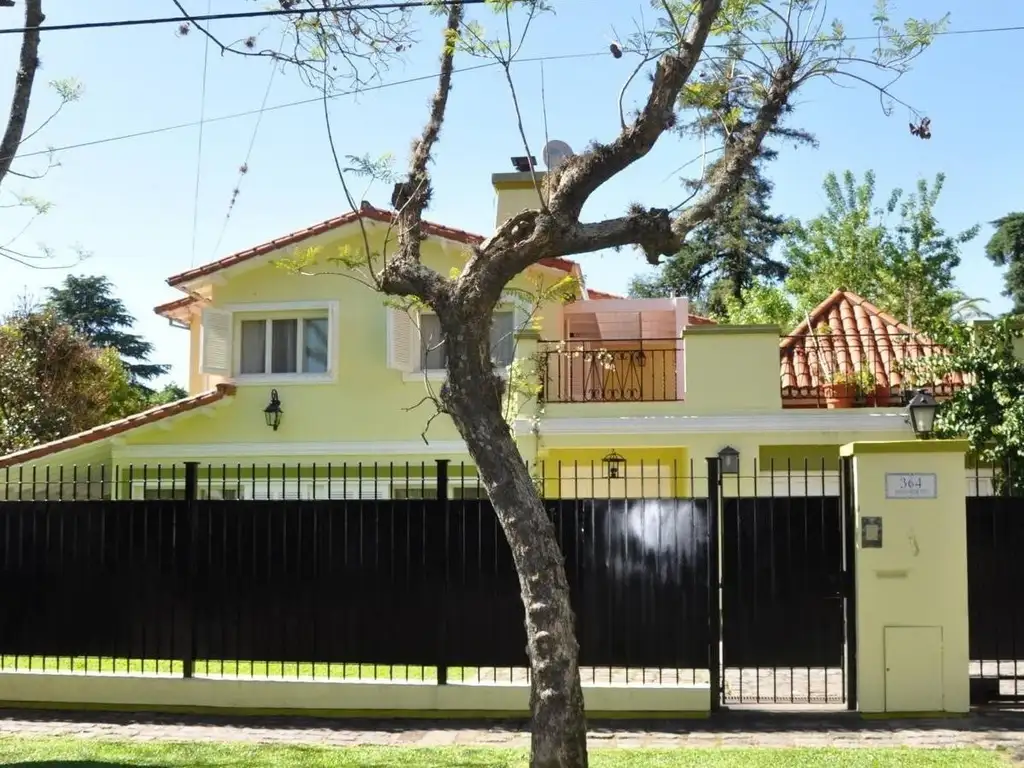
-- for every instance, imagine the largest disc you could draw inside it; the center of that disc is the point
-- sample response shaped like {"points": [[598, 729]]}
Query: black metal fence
{"points": [[678, 574], [995, 586], [350, 571]]}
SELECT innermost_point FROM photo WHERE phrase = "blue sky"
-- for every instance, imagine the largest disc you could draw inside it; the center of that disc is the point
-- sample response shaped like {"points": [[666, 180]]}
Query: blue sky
{"points": [[130, 202]]}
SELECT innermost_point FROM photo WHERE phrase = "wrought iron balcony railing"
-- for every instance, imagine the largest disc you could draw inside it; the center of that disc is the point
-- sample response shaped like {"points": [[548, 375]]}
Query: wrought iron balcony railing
{"points": [[598, 371]]}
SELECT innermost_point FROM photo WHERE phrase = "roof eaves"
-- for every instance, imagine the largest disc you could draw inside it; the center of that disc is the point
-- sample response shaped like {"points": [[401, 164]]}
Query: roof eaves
{"points": [[114, 428]]}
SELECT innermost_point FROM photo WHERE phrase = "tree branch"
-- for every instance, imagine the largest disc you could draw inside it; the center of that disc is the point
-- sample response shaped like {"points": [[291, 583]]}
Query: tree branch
{"points": [[572, 183], [28, 63], [406, 274]]}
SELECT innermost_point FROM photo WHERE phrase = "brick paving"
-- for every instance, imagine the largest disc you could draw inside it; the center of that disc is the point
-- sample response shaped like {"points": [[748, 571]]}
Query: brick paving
{"points": [[739, 727]]}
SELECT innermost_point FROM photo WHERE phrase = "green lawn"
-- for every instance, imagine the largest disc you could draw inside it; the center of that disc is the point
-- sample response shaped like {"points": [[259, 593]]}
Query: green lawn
{"points": [[88, 753], [244, 669]]}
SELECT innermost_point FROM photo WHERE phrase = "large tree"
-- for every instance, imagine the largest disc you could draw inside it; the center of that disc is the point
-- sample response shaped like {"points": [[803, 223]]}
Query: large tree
{"points": [[1006, 249], [895, 254], [802, 47], [732, 250], [88, 305], [53, 383]]}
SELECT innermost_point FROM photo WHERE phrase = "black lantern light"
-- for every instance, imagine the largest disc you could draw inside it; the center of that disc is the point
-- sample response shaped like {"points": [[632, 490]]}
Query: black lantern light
{"points": [[273, 411], [729, 461], [613, 465], [921, 412]]}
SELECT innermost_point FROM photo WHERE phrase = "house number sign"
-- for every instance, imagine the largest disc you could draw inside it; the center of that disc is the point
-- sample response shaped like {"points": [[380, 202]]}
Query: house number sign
{"points": [[910, 485]]}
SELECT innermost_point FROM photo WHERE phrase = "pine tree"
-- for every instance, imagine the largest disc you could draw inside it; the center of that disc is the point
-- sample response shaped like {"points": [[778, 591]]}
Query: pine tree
{"points": [[1006, 249], [88, 305], [732, 251]]}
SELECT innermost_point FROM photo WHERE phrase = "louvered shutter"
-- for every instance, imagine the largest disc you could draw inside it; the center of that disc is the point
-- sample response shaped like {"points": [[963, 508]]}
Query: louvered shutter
{"points": [[215, 342], [401, 339]]}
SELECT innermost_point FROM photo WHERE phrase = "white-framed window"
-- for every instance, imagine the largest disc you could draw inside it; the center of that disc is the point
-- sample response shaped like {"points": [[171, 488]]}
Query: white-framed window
{"points": [[271, 343], [434, 356], [151, 491], [283, 345], [415, 346], [262, 490], [427, 489]]}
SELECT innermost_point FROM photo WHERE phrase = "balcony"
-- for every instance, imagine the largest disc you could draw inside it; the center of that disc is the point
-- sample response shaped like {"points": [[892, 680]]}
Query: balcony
{"points": [[828, 370], [611, 371]]}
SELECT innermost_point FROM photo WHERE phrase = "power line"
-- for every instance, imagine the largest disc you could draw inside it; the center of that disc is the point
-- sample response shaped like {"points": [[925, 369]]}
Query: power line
{"points": [[290, 104], [199, 147], [393, 6], [392, 84], [409, 4], [244, 167]]}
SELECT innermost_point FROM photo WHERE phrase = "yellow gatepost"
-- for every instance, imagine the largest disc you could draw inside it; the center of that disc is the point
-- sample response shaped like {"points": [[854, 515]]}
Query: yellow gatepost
{"points": [[911, 576]]}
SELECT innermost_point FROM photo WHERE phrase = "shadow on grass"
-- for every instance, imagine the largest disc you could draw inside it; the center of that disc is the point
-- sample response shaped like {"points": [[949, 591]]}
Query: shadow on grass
{"points": [[68, 764]]}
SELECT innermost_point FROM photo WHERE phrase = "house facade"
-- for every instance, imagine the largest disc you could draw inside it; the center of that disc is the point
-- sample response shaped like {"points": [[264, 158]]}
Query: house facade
{"points": [[632, 395]]}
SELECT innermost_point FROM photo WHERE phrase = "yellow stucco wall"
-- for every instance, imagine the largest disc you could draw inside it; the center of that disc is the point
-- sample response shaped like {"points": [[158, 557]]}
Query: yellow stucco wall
{"points": [[911, 593]]}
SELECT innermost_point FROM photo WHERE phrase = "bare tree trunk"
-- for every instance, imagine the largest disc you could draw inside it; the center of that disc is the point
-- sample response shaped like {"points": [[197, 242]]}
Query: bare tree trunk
{"points": [[28, 63], [472, 396]]}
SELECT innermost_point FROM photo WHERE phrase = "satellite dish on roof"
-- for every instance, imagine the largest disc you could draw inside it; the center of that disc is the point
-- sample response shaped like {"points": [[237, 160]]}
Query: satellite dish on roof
{"points": [[555, 153]]}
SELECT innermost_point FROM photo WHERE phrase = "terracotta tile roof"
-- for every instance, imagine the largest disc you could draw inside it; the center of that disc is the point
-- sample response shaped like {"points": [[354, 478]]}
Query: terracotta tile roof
{"points": [[700, 320], [847, 333], [366, 211], [171, 306], [121, 425], [601, 295]]}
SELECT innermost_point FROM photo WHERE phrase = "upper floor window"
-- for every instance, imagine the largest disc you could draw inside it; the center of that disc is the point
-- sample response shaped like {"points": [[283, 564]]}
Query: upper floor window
{"points": [[434, 356], [284, 345], [261, 343]]}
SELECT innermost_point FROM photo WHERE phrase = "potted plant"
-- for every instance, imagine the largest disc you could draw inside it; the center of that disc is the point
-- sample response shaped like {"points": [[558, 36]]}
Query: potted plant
{"points": [[841, 391], [869, 391]]}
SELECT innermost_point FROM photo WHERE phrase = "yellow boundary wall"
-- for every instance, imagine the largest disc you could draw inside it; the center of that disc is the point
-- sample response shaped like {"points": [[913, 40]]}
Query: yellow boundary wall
{"points": [[330, 699]]}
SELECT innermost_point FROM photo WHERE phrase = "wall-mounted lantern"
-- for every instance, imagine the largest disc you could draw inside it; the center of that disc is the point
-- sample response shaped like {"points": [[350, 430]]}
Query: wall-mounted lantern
{"points": [[729, 461], [273, 411], [614, 464], [921, 412]]}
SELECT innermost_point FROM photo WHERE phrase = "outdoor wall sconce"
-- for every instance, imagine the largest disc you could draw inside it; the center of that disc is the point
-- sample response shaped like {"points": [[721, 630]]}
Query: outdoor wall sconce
{"points": [[921, 412], [273, 411], [613, 465], [729, 461]]}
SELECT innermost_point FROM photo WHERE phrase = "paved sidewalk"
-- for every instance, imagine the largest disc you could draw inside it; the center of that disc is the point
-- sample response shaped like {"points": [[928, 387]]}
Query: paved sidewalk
{"points": [[737, 728]]}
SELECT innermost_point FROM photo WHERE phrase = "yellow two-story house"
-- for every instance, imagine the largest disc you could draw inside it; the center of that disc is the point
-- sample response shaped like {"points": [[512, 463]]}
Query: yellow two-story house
{"points": [[305, 387]]}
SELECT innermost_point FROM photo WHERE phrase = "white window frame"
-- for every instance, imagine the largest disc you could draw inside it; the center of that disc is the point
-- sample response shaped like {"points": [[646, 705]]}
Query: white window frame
{"points": [[339, 489], [302, 310], [416, 483], [440, 374], [139, 488]]}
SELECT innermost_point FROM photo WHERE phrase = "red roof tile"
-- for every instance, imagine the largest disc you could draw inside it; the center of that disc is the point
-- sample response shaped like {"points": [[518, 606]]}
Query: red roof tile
{"points": [[847, 333], [117, 427], [366, 211], [171, 306]]}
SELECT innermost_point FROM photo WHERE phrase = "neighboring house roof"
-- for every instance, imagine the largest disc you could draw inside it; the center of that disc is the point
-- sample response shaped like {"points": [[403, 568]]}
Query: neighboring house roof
{"points": [[366, 211], [847, 333], [113, 428]]}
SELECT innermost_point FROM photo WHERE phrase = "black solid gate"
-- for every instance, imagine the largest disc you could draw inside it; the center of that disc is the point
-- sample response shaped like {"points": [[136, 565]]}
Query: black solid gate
{"points": [[784, 587]]}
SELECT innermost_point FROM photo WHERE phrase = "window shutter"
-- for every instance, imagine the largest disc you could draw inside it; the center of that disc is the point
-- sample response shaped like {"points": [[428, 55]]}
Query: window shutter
{"points": [[400, 340], [215, 342]]}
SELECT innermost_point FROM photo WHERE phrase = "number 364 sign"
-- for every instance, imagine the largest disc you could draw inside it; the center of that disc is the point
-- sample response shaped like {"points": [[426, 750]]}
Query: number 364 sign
{"points": [[912, 485]]}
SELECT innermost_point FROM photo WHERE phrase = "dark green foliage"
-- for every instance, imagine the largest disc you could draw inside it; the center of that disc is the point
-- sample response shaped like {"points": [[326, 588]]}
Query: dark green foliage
{"points": [[989, 412], [732, 251], [1006, 249], [87, 304]]}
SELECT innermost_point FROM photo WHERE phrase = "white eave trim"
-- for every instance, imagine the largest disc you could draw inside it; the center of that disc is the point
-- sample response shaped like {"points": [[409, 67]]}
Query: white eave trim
{"points": [[217, 451], [792, 421]]}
